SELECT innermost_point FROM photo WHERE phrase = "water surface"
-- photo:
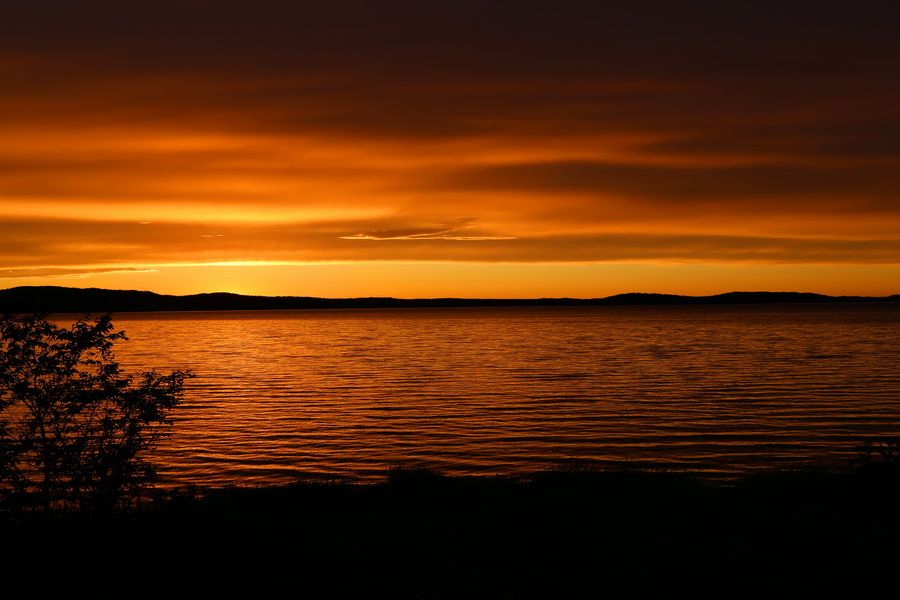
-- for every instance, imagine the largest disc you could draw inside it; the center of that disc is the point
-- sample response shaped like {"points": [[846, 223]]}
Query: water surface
{"points": [[721, 389]]}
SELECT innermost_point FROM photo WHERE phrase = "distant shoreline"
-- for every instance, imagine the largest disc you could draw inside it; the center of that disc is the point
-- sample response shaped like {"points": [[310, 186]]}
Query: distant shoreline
{"points": [[53, 299]]}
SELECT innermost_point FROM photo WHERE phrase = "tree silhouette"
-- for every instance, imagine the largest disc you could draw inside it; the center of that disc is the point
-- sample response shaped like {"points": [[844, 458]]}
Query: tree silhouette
{"points": [[73, 426]]}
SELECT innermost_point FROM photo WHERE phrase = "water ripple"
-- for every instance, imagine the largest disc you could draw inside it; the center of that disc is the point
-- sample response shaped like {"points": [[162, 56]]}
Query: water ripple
{"points": [[723, 389]]}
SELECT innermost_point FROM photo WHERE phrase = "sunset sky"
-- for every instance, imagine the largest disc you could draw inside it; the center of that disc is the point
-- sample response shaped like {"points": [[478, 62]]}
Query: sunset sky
{"points": [[465, 148]]}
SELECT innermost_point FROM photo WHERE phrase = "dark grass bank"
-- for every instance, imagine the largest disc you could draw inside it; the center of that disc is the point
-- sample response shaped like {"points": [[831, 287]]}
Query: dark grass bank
{"points": [[418, 534]]}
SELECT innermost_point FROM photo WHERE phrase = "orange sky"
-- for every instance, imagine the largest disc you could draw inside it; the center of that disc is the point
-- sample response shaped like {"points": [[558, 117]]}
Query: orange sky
{"points": [[465, 149]]}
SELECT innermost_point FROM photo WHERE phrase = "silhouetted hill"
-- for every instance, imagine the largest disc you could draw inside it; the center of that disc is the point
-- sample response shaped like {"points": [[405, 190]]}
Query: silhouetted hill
{"points": [[739, 298], [54, 299]]}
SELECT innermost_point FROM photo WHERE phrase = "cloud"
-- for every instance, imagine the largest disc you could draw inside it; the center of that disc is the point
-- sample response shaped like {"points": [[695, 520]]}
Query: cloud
{"points": [[682, 185], [419, 71], [473, 131], [56, 246], [462, 230], [386, 235], [77, 273]]}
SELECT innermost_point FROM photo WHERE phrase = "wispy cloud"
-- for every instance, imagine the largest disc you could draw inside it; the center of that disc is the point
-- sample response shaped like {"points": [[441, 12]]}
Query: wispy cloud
{"points": [[463, 230], [32, 248]]}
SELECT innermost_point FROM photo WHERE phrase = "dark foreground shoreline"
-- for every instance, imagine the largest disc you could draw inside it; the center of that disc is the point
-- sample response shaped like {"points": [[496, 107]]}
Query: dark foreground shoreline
{"points": [[418, 534]]}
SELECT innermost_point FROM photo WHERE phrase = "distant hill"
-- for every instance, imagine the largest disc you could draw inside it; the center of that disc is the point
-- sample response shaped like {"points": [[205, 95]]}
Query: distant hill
{"points": [[741, 298], [53, 299]]}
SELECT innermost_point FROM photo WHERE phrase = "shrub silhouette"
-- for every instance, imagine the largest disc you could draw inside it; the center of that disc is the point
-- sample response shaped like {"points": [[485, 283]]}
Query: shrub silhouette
{"points": [[73, 426]]}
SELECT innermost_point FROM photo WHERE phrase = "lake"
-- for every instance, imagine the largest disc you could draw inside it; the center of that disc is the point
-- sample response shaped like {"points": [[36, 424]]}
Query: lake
{"points": [[718, 389]]}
